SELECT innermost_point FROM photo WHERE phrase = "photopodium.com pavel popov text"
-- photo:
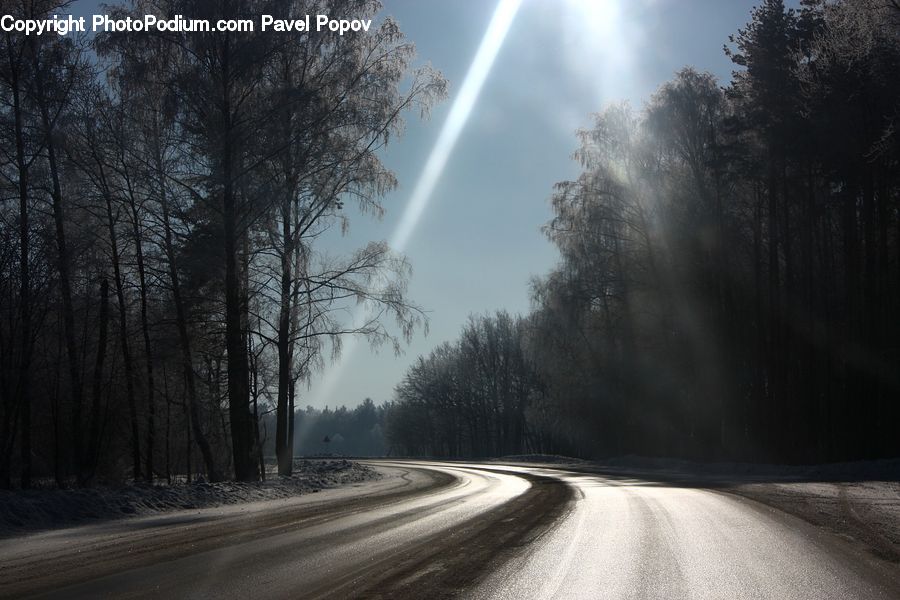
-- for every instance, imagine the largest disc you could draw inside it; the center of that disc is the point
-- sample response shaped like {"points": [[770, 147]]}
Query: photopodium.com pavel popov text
{"points": [[151, 23]]}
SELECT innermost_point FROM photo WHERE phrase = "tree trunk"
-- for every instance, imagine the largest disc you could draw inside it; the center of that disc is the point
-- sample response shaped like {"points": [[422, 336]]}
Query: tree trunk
{"points": [[62, 264], [237, 367], [283, 448], [97, 388], [123, 335], [758, 396], [58, 470], [187, 361], [255, 395], [168, 401], [24, 381], [148, 348], [773, 352], [291, 417], [188, 429], [237, 360]]}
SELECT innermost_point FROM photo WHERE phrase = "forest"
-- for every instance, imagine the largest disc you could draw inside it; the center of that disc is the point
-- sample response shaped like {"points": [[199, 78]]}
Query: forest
{"points": [[727, 286], [341, 431], [729, 271], [164, 287]]}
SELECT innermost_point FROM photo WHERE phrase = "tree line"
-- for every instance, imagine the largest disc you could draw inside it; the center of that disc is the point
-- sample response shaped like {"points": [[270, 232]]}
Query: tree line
{"points": [[163, 197], [729, 275], [342, 431]]}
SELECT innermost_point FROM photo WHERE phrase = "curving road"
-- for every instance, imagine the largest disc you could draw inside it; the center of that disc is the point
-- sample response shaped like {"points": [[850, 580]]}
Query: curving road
{"points": [[431, 529], [632, 538]]}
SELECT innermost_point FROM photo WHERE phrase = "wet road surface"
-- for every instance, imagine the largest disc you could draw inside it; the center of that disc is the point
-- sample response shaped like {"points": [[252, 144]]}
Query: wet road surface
{"points": [[434, 529]]}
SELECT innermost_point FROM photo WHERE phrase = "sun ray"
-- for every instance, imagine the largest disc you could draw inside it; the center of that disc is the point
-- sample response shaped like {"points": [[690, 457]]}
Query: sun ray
{"points": [[437, 160]]}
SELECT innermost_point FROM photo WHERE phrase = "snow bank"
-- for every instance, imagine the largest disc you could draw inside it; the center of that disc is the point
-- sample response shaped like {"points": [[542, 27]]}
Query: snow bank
{"points": [[22, 511], [871, 470], [554, 459], [867, 512]]}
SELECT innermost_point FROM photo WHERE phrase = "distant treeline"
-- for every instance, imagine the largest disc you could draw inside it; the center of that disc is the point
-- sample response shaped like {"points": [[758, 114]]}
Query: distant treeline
{"points": [[348, 432], [730, 273]]}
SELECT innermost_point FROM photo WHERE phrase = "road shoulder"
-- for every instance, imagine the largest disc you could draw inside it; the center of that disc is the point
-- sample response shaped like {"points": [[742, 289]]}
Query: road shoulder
{"points": [[91, 551], [27, 511]]}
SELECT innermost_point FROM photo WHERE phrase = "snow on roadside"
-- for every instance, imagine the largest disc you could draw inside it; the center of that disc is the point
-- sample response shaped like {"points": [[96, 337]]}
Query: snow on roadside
{"points": [[31, 510], [869, 470], [547, 459], [865, 511]]}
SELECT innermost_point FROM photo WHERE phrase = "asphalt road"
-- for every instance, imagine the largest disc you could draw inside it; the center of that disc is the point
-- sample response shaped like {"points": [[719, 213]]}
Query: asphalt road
{"points": [[432, 530]]}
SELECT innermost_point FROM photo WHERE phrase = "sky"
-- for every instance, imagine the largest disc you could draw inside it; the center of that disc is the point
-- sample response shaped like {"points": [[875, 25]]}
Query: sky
{"points": [[478, 241]]}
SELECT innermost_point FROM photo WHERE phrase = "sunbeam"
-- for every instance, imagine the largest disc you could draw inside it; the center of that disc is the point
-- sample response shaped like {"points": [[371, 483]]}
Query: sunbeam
{"points": [[459, 114], [456, 120]]}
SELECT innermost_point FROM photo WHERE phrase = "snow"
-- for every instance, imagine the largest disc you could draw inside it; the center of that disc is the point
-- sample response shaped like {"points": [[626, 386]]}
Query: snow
{"points": [[873, 470], [31, 510], [545, 459], [867, 512]]}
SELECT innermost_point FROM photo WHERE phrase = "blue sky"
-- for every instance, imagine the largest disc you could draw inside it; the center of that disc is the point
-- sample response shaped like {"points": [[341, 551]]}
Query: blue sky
{"points": [[478, 243]]}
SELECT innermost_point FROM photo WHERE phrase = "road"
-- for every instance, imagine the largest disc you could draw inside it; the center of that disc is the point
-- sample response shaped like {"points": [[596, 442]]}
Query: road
{"points": [[432, 530]]}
